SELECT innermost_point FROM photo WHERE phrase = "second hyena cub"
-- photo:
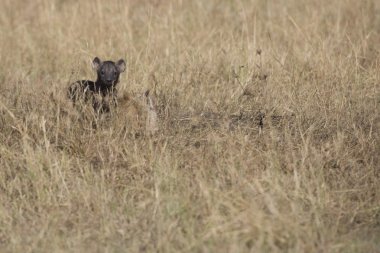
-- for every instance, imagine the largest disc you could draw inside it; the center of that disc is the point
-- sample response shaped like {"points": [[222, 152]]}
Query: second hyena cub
{"points": [[103, 91], [137, 113]]}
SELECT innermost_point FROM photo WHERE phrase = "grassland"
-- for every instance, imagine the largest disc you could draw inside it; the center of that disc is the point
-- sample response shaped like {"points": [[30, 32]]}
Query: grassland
{"points": [[269, 139]]}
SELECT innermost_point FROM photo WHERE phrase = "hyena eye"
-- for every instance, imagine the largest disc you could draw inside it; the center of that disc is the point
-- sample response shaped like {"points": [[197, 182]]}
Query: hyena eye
{"points": [[102, 72], [115, 73]]}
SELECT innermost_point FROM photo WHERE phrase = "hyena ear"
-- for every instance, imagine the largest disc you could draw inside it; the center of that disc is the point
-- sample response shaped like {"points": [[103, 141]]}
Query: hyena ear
{"points": [[121, 65], [96, 63]]}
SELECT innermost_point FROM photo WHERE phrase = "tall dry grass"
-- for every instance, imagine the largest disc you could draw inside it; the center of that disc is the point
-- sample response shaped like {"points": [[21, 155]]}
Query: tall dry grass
{"points": [[211, 180]]}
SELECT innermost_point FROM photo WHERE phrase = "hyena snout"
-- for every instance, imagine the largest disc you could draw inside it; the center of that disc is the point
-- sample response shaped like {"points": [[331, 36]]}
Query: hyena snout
{"points": [[109, 76]]}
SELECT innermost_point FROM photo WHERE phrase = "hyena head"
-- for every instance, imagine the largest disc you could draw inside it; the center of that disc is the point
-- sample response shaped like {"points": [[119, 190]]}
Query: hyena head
{"points": [[108, 71]]}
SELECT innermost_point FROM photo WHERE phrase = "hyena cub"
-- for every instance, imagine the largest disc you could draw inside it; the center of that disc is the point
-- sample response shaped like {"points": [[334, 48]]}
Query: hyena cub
{"points": [[101, 93], [136, 113]]}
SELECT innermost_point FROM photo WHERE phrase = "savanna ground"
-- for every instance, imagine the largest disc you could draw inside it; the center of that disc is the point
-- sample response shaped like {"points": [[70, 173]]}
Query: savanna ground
{"points": [[269, 139]]}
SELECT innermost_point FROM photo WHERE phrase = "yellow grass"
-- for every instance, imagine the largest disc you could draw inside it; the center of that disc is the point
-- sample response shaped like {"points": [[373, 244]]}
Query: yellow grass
{"points": [[211, 180]]}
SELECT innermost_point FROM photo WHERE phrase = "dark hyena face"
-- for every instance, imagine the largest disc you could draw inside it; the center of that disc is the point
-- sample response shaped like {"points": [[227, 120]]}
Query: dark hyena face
{"points": [[108, 71]]}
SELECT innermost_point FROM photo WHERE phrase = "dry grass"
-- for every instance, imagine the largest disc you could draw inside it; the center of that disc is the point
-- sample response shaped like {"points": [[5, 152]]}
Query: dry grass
{"points": [[210, 180]]}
